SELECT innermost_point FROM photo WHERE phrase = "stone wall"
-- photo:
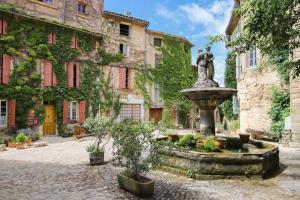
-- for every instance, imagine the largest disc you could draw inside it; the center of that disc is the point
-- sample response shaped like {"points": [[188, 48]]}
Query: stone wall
{"points": [[255, 87]]}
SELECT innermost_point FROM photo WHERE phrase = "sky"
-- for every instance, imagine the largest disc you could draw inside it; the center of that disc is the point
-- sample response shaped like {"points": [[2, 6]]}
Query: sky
{"points": [[194, 19]]}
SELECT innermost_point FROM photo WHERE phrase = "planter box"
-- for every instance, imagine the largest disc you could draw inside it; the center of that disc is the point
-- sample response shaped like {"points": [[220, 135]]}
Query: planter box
{"points": [[97, 159], [20, 146], [12, 144], [2, 147], [143, 190]]}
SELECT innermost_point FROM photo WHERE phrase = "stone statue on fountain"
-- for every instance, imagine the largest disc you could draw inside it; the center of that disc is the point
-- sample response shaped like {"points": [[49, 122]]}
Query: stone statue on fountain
{"points": [[205, 64]]}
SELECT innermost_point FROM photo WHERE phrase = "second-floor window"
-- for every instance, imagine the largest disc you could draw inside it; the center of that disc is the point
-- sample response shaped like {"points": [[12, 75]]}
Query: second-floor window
{"points": [[124, 30], [82, 8], [75, 42], [124, 78], [73, 75], [51, 38], [3, 27], [46, 1], [158, 59], [49, 74], [157, 42], [252, 57], [124, 49], [3, 113], [5, 65]]}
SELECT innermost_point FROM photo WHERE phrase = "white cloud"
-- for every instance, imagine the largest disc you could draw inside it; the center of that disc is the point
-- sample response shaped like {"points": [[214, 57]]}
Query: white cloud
{"points": [[219, 64]]}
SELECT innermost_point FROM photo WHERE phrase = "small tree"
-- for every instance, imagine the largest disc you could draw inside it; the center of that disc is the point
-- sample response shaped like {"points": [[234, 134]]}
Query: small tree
{"points": [[134, 148], [99, 127]]}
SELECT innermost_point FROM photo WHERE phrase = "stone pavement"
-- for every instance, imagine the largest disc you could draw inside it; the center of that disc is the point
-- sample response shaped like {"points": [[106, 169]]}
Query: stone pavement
{"points": [[60, 171]]}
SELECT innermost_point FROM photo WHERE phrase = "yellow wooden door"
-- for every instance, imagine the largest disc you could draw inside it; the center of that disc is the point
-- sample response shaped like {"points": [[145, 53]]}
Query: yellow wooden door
{"points": [[49, 126]]}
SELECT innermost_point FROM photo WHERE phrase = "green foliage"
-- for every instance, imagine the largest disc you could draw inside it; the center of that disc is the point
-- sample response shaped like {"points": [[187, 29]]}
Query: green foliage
{"points": [[22, 137], [143, 77], [234, 125], [134, 148], [230, 81], [174, 74], [209, 144], [67, 132], [30, 133], [94, 149], [186, 140], [280, 109]]}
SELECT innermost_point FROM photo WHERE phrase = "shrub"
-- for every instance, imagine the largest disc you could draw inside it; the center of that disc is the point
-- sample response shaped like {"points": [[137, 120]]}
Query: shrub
{"points": [[94, 149], [135, 148], [186, 140], [30, 133], [234, 125], [209, 144], [67, 132], [22, 137]]}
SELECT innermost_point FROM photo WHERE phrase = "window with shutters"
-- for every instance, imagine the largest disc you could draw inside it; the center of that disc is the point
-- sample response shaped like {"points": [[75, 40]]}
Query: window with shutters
{"points": [[51, 38], [75, 42], [3, 27], [72, 111], [124, 49], [3, 113], [127, 78], [130, 111], [124, 30], [252, 58], [157, 42], [74, 78]]}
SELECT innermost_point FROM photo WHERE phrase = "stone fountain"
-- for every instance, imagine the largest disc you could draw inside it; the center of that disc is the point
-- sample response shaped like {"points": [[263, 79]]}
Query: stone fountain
{"points": [[206, 93]]}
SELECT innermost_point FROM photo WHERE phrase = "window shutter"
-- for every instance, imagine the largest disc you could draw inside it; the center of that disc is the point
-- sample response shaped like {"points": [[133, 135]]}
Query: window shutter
{"points": [[82, 107], [77, 75], [4, 27], [11, 122], [76, 42], [54, 38], [129, 78], [65, 112], [122, 78], [54, 83], [70, 75], [50, 38], [6, 68], [73, 42], [47, 73], [1, 22]]}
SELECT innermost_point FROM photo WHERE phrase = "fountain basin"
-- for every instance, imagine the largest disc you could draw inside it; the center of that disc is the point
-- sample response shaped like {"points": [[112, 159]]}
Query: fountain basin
{"points": [[207, 99], [204, 165]]}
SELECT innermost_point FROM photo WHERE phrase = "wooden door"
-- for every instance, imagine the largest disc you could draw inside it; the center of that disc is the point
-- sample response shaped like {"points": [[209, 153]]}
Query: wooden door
{"points": [[156, 114], [49, 126]]}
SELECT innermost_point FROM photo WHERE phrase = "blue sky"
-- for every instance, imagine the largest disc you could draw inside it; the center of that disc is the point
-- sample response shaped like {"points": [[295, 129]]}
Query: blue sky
{"points": [[193, 19]]}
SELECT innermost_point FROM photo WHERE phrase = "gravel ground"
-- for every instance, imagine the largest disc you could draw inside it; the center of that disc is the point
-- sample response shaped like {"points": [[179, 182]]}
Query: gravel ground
{"points": [[61, 171]]}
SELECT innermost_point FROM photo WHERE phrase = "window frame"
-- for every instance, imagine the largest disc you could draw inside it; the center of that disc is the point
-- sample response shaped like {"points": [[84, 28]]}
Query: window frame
{"points": [[155, 39], [6, 113], [82, 6], [252, 57], [124, 49], [70, 111], [122, 30]]}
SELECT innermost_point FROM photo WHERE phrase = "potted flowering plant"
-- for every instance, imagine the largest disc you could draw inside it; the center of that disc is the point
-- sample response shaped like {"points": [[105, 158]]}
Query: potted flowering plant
{"points": [[99, 127], [136, 150]]}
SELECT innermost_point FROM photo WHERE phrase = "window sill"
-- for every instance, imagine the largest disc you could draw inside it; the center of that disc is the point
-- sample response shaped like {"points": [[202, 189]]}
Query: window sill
{"points": [[125, 36], [82, 16], [44, 4]]}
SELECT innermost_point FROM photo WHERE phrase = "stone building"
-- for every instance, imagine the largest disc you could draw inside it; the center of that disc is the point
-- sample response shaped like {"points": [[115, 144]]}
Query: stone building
{"points": [[256, 78], [140, 46], [47, 44]]}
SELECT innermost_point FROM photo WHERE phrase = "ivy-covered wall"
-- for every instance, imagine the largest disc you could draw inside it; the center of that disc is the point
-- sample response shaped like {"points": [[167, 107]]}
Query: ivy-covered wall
{"points": [[27, 43]]}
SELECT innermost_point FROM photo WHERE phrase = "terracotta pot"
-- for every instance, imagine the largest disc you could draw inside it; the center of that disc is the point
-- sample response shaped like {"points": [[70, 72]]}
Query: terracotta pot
{"points": [[20, 145], [173, 138], [29, 142], [12, 144], [219, 143], [244, 138], [141, 189]]}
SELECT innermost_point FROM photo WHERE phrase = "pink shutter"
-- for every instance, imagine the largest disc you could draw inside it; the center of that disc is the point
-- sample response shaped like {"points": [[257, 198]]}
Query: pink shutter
{"points": [[11, 122], [54, 83], [65, 112], [1, 22], [77, 75], [50, 38], [54, 38], [47, 73], [6, 68], [70, 75], [5, 27], [129, 78], [82, 108], [73, 42], [122, 78]]}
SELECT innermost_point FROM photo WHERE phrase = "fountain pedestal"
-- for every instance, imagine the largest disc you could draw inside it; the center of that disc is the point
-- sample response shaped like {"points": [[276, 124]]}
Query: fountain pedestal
{"points": [[207, 99]]}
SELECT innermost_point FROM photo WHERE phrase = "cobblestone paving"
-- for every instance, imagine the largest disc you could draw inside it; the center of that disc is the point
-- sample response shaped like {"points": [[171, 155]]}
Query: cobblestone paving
{"points": [[60, 171]]}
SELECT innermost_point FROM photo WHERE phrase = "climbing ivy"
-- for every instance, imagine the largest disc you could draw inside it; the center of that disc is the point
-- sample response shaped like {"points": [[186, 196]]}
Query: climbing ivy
{"points": [[27, 42]]}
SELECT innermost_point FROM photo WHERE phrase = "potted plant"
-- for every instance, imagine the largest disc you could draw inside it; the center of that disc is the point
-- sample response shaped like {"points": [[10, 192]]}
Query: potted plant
{"points": [[21, 140], [136, 150], [99, 127]]}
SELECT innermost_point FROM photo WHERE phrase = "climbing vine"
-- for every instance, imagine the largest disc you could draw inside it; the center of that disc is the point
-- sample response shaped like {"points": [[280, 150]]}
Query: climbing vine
{"points": [[27, 42]]}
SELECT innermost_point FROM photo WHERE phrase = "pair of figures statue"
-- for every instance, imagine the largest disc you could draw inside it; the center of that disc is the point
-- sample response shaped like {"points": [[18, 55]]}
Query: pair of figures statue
{"points": [[205, 65]]}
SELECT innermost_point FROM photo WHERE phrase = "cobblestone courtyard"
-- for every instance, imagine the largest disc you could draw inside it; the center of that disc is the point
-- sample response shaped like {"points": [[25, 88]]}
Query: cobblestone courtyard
{"points": [[61, 171]]}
